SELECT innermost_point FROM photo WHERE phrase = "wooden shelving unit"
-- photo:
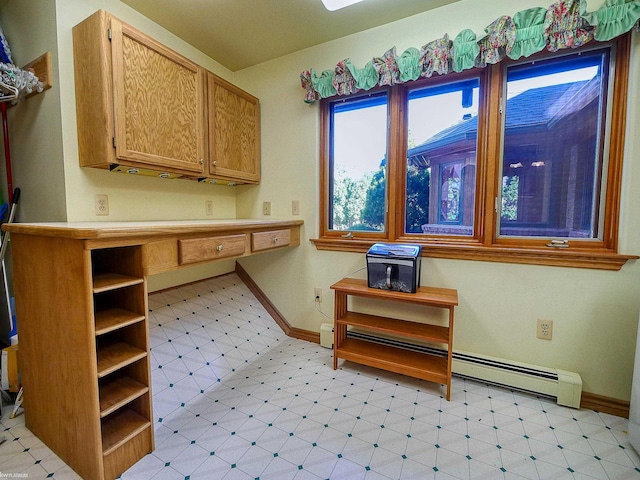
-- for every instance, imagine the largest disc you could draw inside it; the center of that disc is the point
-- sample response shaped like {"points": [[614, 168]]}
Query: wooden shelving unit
{"points": [[122, 356], [112, 281], [121, 427], [118, 392], [408, 362], [81, 296], [115, 318]]}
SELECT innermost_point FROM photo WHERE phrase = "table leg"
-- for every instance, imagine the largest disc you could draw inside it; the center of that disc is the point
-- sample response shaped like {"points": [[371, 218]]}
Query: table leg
{"points": [[339, 329]]}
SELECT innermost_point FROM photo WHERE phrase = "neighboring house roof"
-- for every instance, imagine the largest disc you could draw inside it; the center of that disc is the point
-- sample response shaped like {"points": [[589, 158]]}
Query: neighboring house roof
{"points": [[530, 104]]}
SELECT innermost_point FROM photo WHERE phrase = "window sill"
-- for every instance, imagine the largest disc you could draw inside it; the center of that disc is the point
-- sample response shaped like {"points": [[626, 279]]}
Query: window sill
{"points": [[578, 258]]}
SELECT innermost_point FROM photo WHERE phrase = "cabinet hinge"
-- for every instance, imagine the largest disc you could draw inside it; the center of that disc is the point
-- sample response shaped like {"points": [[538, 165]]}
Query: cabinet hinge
{"points": [[113, 140], [109, 34]]}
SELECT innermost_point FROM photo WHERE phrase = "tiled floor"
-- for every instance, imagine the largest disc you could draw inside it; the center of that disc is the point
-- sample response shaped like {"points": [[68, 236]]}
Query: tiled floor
{"points": [[234, 398]]}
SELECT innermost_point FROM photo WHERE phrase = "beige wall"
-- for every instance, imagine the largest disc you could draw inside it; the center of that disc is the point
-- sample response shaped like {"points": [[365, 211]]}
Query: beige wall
{"points": [[34, 125], [595, 313]]}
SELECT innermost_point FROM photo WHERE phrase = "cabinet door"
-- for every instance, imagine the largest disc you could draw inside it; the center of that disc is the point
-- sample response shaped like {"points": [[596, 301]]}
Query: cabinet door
{"points": [[234, 132], [158, 103]]}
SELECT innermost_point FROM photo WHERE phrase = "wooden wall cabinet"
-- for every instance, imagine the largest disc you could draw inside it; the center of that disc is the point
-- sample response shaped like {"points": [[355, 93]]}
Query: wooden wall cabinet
{"points": [[142, 107], [234, 131], [138, 103]]}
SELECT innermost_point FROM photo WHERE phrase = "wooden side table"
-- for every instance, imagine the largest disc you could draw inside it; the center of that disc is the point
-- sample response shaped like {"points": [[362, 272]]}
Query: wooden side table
{"points": [[426, 366]]}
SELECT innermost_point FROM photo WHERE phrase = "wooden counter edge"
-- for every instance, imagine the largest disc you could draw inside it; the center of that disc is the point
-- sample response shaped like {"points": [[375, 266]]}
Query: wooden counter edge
{"points": [[93, 230]]}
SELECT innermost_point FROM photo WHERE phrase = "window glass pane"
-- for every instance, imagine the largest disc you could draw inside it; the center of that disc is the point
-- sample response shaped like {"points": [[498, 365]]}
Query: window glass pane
{"points": [[552, 152], [358, 170], [441, 158]]}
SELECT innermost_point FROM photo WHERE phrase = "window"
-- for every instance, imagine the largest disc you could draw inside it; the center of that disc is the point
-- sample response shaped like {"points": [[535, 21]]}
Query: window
{"points": [[517, 162], [357, 156], [442, 139], [553, 155]]}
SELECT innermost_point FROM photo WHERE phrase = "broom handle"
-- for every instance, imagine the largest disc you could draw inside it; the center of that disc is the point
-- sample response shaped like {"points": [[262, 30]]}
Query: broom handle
{"points": [[12, 214]]}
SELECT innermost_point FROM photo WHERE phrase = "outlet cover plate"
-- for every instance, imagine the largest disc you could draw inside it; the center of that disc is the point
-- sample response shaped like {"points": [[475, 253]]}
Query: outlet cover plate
{"points": [[102, 204], [545, 329]]}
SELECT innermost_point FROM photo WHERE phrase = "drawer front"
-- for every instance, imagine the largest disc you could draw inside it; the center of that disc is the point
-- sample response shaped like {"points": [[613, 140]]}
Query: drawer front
{"points": [[195, 250], [271, 239], [160, 256]]}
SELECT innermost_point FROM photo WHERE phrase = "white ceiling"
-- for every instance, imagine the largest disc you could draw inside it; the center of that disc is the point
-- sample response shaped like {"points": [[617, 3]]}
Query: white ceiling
{"points": [[242, 33]]}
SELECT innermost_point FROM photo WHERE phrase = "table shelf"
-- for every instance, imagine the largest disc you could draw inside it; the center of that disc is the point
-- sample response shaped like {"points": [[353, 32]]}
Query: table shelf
{"points": [[399, 360], [421, 331]]}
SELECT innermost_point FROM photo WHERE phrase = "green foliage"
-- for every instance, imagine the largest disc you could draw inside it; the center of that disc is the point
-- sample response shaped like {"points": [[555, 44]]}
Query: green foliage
{"points": [[417, 213], [348, 201], [361, 204], [510, 186], [374, 207]]}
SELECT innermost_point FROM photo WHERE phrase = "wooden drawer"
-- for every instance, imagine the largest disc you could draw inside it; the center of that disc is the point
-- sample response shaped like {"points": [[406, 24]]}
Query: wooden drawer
{"points": [[194, 250], [271, 239]]}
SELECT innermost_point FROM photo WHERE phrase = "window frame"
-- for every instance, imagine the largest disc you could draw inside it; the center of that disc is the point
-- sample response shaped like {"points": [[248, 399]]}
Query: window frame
{"points": [[330, 174], [602, 136], [485, 244]]}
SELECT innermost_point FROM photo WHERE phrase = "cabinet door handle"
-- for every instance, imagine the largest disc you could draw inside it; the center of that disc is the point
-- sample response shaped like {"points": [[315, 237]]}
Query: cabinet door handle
{"points": [[215, 162], [219, 247]]}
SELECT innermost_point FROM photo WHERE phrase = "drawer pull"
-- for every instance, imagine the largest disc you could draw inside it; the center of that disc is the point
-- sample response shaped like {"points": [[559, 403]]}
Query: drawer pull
{"points": [[219, 247], [275, 239]]}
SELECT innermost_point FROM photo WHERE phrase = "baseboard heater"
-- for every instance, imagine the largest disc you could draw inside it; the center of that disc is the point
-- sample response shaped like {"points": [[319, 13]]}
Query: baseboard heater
{"points": [[565, 387]]}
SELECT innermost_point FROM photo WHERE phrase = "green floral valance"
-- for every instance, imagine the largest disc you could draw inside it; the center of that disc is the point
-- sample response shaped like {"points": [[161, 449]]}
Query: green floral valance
{"points": [[565, 24]]}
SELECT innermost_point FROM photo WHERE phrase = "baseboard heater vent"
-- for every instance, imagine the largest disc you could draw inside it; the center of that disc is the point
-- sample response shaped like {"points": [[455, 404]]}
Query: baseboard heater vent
{"points": [[565, 387]]}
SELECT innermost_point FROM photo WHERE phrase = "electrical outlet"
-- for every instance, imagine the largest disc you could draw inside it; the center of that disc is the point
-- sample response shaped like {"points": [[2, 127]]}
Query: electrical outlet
{"points": [[295, 207], [317, 294], [102, 204], [208, 205], [266, 208], [545, 329]]}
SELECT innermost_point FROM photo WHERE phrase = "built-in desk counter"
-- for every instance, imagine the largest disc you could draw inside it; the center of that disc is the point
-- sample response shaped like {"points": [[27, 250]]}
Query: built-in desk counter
{"points": [[167, 245], [82, 309]]}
